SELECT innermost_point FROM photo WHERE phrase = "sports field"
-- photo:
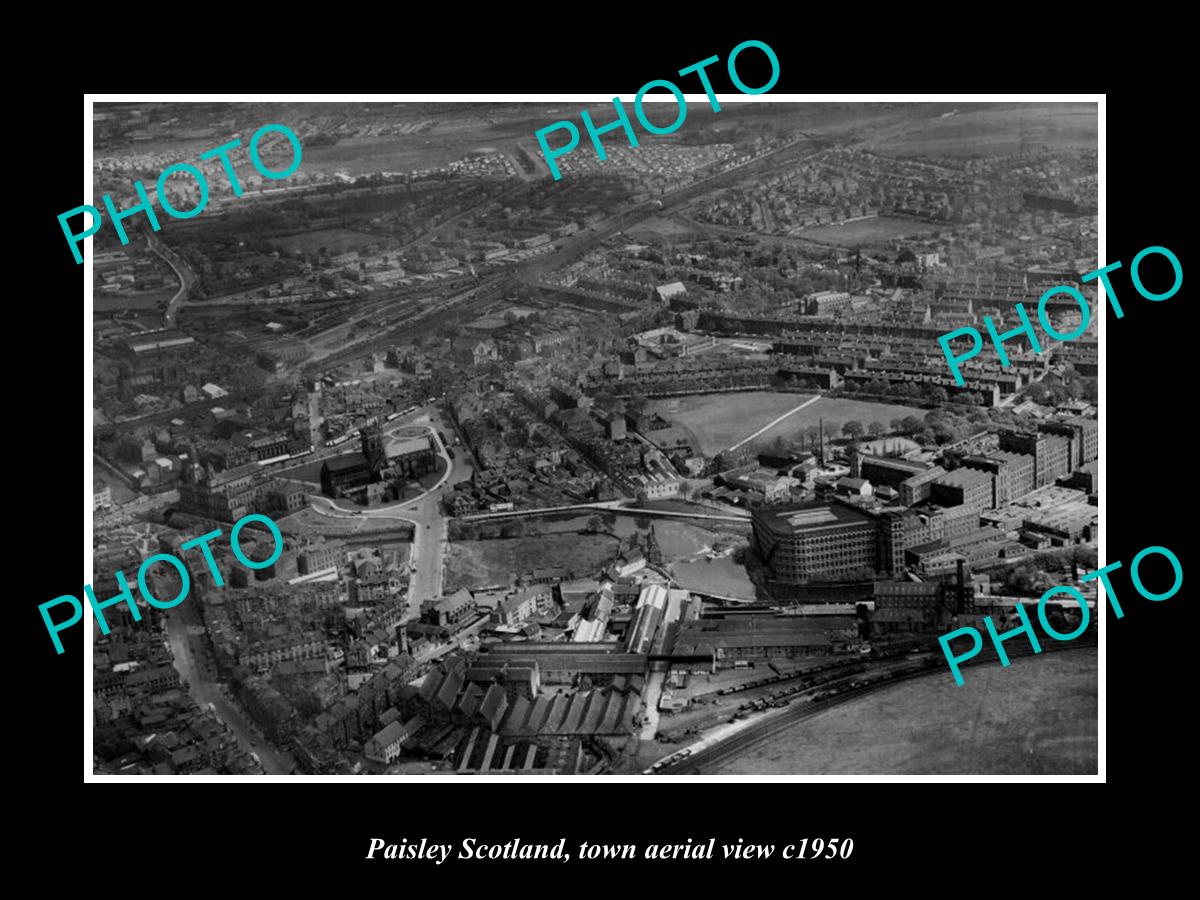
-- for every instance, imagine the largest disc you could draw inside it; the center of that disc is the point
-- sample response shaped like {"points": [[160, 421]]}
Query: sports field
{"points": [[1036, 717]]}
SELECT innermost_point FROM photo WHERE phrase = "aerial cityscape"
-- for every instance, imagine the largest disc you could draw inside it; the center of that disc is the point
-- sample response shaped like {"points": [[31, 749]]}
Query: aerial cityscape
{"points": [[657, 468]]}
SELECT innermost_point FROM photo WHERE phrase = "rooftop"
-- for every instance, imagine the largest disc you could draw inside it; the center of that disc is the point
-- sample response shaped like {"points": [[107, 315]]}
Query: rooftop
{"points": [[346, 462], [794, 519], [965, 477]]}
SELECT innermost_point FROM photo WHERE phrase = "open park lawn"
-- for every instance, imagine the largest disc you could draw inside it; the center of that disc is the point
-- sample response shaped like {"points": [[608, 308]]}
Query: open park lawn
{"points": [[718, 421], [834, 412]]}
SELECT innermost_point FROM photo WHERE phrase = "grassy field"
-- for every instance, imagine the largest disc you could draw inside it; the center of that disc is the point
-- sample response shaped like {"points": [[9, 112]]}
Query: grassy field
{"points": [[867, 231], [988, 130], [834, 412], [718, 421], [1037, 717]]}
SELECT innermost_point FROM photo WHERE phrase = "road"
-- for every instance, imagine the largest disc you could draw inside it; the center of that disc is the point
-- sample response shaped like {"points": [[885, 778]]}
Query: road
{"points": [[654, 686], [182, 271], [134, 509], [613, 506], [125, 479], [428, 546], [493, 285], [484, 291], [566, 250], [193, 661], [159, 418], [584, 241], [458, 216], [427, 560]]}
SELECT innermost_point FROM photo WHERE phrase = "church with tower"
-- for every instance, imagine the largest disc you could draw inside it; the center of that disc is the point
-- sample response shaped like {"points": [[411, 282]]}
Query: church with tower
{"points": [[374, 475]]}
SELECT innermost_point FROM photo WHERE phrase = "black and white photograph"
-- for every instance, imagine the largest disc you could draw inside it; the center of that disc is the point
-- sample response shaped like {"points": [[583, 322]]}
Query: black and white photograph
{"points": [[448, 438]]}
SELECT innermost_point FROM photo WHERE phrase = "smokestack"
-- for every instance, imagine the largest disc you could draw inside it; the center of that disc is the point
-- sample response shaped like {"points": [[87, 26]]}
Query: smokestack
{"points": [[821, 429]]}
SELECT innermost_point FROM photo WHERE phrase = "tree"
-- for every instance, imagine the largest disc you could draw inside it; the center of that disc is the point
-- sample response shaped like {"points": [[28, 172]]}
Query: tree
{"points": [[1038, 393], [853, 429], [911, 424], [896, 425], [1085, 556], [875, 429]]}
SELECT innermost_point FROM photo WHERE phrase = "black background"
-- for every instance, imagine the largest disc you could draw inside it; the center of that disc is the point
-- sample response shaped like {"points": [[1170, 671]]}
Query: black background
{"points": [[911, 836]]}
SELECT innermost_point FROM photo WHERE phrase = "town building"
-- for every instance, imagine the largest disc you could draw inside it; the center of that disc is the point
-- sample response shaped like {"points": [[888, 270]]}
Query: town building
{"points": [[1084, 434], [386, 744], [448, 611], [319, 555], [1051, 453], [800, 543], [972, 488], [1012, 474], [262, 656], [728, 640], [880, 470]]}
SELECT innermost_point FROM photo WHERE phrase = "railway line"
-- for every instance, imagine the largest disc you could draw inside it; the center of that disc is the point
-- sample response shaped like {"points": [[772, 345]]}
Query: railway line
{"points": [[708, 759], [417, 322], [531, 271]]}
